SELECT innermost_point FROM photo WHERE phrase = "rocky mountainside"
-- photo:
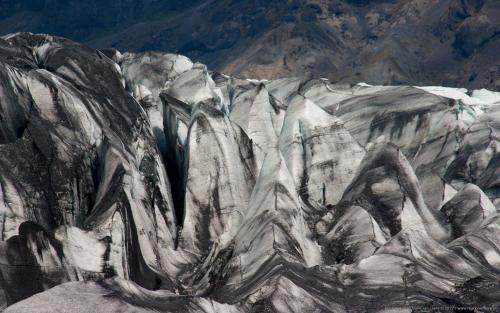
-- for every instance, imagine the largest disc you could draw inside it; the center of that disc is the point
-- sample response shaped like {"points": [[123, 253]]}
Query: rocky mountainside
{"points": [[417, 42], [145, 182]]}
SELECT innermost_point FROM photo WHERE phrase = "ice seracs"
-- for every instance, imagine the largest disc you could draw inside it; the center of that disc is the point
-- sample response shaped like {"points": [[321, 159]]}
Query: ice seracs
{"points": [[145, 182], [259, 115], [222, 164], [321, 154], [467, 210]]}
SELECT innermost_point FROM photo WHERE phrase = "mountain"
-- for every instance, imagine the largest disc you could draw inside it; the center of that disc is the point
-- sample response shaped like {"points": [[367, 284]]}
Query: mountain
{"points": [[145, 182], [383, 42]]}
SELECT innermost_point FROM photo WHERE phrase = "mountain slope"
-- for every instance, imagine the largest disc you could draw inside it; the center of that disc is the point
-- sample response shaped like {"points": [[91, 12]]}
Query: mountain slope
{"points": [[422, 42]]}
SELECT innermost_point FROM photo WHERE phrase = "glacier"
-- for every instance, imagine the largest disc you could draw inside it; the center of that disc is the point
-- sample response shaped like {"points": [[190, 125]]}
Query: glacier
{"points": [[148, 183]]}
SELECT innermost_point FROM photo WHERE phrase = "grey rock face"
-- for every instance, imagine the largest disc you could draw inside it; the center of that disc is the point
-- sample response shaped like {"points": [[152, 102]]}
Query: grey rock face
{"points": [[438, 42], [145, 183]]}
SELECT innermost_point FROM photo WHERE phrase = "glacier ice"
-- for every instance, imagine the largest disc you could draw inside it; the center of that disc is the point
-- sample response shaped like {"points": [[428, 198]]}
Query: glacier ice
{"points": [[146, 182]]}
